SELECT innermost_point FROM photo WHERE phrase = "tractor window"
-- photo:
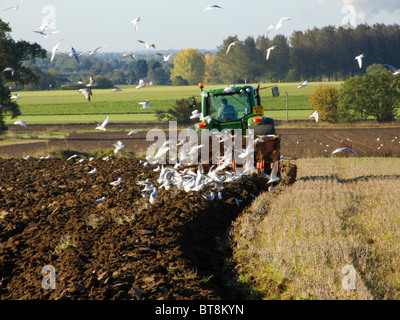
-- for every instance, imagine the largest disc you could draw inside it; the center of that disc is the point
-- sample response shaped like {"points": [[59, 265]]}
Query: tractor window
{"points": [[227, 108]]}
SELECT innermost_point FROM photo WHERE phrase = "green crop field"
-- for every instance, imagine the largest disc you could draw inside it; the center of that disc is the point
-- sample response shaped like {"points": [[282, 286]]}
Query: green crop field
{"points": [[62, 106]]}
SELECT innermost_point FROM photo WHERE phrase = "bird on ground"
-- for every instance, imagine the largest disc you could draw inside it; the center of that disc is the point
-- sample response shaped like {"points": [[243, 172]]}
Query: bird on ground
{"points": [[230, 46], [135, 22], [359, 60], [9, 69], [20, 122], [212, 7], [101, 200], [118, 146], [315, 115], [145, 105], [269, 51], [148, 46], [127, 55], [210, 196], [16, 96], [141, 84], [304, 84], [87, 92], [116, 90], [278, 25], [339, 150], [73, 54], [395, 70], [116, 183], [165, 58], [54, 50], [153, 196], [93, 171], [102, 126]]}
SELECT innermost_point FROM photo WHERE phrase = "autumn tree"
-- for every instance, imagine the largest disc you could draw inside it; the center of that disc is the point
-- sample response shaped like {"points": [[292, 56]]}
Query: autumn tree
{"points": [[211, 70], [190, 66], [325, 100], [13, 55]]}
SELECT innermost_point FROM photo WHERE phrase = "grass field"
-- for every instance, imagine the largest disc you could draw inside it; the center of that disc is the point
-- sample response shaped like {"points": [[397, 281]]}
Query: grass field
{"points": [[342, 214], [61, 106]]}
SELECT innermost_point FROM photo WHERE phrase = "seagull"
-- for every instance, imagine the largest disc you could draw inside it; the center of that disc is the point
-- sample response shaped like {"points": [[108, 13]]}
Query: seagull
{"points": [[116, 90], [395, 70], [269, 51], [133, 132], [118, 146], [92, 53], [147, 45], [116, 183], [165, 58], [245, 153], [212, 7], [54, 50], [92, 83], [86, 92], [73, 54], [136, 23], [230, 46], [141, 84], [279, 24], [101, 200], [145, 105], [20, 122], [93, 171], [315, 115], [102, 126], [304, 84], [8, 69], [209, 196], [43, 27], [153, 196], [14, 7], [127, 55], [343, 149], [273, 177], [16, 96], [359, 60], [229, 89]]}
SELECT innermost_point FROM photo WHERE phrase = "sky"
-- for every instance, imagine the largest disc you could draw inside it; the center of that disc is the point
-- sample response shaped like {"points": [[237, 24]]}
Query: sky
{"points": [[180, 24]]}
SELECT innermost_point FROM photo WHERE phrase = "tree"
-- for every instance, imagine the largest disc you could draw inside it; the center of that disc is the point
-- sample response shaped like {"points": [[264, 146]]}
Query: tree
{"points": [[373, 95], [189, 65], [13, 55], [211, 70], [141, 68], [325, 100]]}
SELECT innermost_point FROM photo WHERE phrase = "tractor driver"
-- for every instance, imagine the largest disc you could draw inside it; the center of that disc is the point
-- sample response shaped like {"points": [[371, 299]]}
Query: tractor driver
{"points": [[226, 112]]}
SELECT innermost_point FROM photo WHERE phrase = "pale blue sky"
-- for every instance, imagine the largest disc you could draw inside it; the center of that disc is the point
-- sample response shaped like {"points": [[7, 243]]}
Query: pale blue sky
{"points": [[179, 24]]}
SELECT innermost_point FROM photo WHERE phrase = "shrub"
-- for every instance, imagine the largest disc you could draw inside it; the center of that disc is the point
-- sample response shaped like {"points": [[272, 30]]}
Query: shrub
{"points": [[325, 100]]}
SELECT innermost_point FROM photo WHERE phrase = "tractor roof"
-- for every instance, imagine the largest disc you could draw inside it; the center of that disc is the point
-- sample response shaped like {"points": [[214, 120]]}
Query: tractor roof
{"points": [[234, 89]]}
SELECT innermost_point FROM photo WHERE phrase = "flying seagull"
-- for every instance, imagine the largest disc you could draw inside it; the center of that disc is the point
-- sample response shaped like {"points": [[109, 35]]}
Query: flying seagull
{"points": [[278, 25], [343, 149], [118, 146], [102, 126], [147, 45], [140, 85], [54, 50], [165, 58], [73, 54], [230, 46], [136, 23], [359, 60], [20, 122], [145, 105], [127, 55], [269, 51], [86, 92], [315, 115], [212, 7], [304, 84], [395, 70], [8, 69], [43, 27], [91, 83]]}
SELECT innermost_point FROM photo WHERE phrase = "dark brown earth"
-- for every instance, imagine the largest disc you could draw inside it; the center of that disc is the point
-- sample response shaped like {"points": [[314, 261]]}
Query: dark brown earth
{"points": [[126, 248]]}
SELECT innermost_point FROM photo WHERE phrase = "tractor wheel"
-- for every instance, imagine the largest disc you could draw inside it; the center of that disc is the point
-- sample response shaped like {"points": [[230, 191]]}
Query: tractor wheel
{"points": [[288, 172]]}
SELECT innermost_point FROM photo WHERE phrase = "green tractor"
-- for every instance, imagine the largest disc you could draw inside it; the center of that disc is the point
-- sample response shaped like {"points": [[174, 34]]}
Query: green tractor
{"points": [[239, 108]]}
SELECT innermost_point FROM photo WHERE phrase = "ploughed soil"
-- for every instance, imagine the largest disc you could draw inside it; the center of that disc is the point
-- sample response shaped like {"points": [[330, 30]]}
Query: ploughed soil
{"points": [[125, 247]]}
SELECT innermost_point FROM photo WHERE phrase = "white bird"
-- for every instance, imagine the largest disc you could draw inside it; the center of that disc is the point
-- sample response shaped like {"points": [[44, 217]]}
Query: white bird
{"points": [[148, 46], [395, 70], [93, 171], [145, 105], [278, 25], [20, 122], [9, 69], [54, 50], [73, 54], [273, 177], [43, 27], [102, 126], [118, 146], [16, 96], [16, 7], [315, 115], [304, 84], [91, 83], [243, 154], [86, 92], [212, 7], [230, 46], [229, 89], [359, 60], [135, 22], [141, 84], [338, 150], [116, 183], [127, 55], [269, 51], [116, 90], [153, 196], [165, 58], [210, 196], [101, 200], [92, 53], [133, 132]]}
